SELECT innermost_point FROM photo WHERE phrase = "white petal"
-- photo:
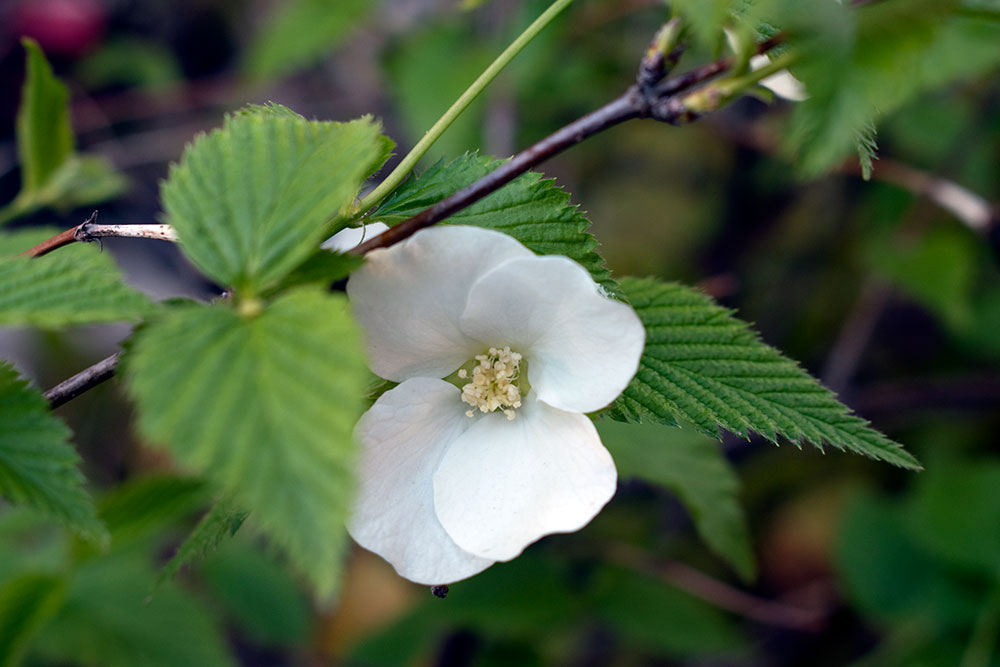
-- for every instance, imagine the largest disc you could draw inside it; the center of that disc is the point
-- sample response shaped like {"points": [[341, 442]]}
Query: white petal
{"points": [[349, 238], [582, 348], [782, 83], [403, 437], [410, 296], [504, 484]]}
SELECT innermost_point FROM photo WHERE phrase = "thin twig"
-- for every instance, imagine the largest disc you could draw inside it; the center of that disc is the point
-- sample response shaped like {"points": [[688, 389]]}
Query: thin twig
{"points": [[720, 594], [855, 335], [969, 208], [89, 378], [90, 231], [973, 210], [48, 245]]}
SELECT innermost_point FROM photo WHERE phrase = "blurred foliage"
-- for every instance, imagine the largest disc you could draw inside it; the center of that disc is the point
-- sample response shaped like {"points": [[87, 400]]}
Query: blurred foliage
{"points": [[52, 173], [299, 33], [694, 468], [78, 286], [925, 565]]}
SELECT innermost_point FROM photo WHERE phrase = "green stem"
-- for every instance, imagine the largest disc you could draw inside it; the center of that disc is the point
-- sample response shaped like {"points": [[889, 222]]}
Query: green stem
{"points": [[393, 180]]}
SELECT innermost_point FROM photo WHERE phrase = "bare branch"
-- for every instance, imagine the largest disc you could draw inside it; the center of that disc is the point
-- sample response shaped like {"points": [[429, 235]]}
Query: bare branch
{"points": [[720, 594], [969, 208], [48, 245], [89, 230], [89, 378], [977, 213]]}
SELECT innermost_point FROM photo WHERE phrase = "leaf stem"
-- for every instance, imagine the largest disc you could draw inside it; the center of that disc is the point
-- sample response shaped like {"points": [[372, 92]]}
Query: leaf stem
{"points": [[397, 175]]}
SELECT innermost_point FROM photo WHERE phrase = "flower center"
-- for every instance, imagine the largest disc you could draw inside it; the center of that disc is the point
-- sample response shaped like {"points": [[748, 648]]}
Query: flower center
{"points": [[495, 382]]}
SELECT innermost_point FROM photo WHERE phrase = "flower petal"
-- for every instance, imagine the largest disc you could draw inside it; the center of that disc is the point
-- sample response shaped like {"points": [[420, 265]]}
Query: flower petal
{"points": [[504, 484], [403, 437], [349, 238], [409, 298], [582, 348], [783, 83]]}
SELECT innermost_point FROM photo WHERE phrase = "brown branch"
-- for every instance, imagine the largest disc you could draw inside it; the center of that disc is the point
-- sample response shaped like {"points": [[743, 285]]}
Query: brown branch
{"points": [[619, 110], [89, 231], [718, 593], [89, 378], [48, 245]]}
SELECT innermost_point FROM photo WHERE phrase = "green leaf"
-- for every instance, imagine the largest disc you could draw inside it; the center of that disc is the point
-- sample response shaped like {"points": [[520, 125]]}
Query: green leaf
{"points": [[867, 146], [323, 266], [80, 181], [887, 53], [251, 201], [129, 62], [705, 366], [38, 466], [888, 576], [75, 285], [219, 523], [26, 604], [706, 18], [31, 543], [531, 209], [300, 33], [107, 621], [955, 514], [51, 174], [692, 466], [44, 134], [146, 506], [264, 405], [937, 269]]}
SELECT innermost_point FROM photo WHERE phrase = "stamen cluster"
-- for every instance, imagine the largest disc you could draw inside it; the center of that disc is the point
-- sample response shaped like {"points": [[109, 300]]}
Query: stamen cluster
{"points": [[494, 382]]}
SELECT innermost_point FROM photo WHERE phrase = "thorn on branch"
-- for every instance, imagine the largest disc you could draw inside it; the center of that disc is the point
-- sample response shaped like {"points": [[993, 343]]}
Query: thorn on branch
{"points": [[82, 232]]}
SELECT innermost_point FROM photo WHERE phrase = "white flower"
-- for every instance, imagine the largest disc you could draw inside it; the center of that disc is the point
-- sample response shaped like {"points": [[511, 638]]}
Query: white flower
{"points": [[454, 479], [349, 238]]}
